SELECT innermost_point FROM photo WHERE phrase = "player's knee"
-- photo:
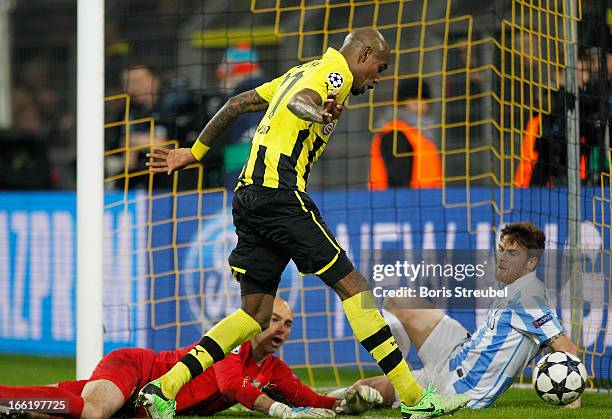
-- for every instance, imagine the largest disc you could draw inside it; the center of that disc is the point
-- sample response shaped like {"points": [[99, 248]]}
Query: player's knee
{"points": [[404, 313], [94, 411], [102, 398], [260, 313], [351, 284], [263, 319]]}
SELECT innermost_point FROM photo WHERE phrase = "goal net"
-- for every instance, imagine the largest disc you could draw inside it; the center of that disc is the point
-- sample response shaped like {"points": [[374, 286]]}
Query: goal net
{"points": [[486, 87]]}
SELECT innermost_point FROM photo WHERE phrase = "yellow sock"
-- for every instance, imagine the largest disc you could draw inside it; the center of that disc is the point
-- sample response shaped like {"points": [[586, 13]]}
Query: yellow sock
{"points": [[230, 332], [375, 336]]}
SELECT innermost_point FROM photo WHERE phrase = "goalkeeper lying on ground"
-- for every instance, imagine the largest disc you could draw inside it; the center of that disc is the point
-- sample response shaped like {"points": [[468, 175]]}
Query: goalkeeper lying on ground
{"points": [[244, 376]]}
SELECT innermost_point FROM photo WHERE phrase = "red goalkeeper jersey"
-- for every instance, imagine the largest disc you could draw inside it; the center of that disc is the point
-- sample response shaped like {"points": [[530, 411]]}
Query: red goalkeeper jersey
{"points": [[236, 379]]}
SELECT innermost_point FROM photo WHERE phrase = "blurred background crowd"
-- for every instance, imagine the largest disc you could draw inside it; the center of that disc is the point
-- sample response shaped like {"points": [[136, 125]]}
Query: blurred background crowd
{"points": [[179, 60]]}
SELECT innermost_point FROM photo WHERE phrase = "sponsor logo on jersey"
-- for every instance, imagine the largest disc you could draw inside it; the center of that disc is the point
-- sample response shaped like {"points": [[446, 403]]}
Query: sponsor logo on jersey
{"points": [[542, 320], [263, 129], [328, 128]]}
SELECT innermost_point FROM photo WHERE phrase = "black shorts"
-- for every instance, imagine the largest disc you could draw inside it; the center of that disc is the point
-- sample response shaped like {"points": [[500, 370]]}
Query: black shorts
{"points": [[275, 225]]}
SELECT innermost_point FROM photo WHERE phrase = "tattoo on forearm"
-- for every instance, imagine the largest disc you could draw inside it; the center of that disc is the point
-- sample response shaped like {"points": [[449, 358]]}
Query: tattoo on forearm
{"points": [[306, 105], [307, 112], [249, 101]]}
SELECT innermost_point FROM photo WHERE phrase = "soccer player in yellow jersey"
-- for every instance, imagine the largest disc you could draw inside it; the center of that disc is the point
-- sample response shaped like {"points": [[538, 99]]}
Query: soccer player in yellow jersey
{"points": [[276, 220]]}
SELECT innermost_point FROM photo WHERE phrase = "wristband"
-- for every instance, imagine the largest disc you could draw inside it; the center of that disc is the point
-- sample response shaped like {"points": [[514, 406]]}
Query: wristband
{"points": [[199, 150]]}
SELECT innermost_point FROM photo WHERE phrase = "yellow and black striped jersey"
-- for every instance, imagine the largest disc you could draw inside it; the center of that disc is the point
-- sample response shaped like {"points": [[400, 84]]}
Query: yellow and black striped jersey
{"points": [[284, 146]]}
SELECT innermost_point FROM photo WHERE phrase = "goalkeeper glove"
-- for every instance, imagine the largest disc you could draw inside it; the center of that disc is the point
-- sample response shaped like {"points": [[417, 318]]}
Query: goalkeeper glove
{"points": [[358, 399], [281, 410]]}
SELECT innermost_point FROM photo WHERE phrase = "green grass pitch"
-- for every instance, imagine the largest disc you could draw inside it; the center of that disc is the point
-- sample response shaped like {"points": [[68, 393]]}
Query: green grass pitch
{"points": [[516, 403]]}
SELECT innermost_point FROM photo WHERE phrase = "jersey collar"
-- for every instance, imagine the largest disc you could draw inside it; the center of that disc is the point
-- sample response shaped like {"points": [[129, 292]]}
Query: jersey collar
{"points": [[522, 282], [337, 56]]}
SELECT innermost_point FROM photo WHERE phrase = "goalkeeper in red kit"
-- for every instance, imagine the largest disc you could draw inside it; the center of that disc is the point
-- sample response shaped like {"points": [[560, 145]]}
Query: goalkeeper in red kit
{"points": [[250, 375]]}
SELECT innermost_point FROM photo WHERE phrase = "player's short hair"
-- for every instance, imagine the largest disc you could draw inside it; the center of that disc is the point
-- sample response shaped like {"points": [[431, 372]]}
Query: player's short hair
{"points": [[527, 235]]}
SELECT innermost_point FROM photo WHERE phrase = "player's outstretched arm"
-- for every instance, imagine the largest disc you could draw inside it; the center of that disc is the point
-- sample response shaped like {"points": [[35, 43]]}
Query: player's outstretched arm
{"points": [[266, 405], [249, 101], [306, 105], [169, 160], [564, 344]]}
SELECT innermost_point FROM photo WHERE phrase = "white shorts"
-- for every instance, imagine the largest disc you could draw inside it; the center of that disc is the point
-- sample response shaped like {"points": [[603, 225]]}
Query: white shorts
{"points": [[444, 341]]}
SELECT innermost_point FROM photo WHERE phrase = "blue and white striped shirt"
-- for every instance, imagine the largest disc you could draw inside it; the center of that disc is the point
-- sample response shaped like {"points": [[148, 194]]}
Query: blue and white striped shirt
{"points": [[515, 329]]}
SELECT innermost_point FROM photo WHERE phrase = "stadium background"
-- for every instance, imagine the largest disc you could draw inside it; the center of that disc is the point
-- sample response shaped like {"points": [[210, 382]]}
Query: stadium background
{"points": [[490, 69]]}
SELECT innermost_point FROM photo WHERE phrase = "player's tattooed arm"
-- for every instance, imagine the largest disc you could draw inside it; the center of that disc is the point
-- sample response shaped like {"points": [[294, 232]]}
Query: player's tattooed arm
{"points": [[165, 160], [306, 105], [560, 342], [249, 101]]}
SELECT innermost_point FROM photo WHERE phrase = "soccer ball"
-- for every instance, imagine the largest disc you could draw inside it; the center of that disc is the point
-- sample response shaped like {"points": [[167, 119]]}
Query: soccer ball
{"points": [[559, 378]]}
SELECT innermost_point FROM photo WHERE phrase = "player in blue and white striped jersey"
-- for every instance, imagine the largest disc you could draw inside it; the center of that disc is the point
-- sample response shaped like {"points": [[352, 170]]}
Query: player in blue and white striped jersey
{"points": [[483, 365]]}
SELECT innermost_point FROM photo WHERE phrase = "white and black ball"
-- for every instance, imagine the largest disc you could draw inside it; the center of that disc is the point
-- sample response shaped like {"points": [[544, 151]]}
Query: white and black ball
{"points": [[559, 378]]}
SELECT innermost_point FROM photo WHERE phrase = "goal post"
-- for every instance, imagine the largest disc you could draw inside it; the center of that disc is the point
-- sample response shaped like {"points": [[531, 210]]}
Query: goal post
{"points": [[573, 170], [90, 184]]}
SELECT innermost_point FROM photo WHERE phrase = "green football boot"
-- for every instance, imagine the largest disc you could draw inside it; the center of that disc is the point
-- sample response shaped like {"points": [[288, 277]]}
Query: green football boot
{"points": [[433, 405], [155, 403]]}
